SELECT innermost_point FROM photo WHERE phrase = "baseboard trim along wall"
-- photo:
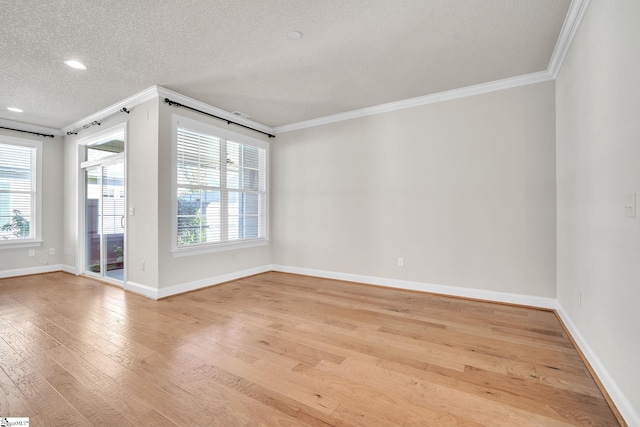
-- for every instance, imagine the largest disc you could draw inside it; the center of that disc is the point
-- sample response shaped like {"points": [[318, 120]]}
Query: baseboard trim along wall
{"points": [[533, 301], [211, 281], [155, 293], [623, 405], [144, 290], [69, 269], [31, 270]]}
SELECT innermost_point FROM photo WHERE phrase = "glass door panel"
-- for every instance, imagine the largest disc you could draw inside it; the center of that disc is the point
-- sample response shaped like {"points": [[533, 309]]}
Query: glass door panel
{"points": [[113, 220], [104, 219], [93, 220]]}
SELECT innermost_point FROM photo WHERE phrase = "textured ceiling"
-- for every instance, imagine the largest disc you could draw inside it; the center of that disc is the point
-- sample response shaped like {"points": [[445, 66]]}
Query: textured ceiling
{"points": [[235, 55]]}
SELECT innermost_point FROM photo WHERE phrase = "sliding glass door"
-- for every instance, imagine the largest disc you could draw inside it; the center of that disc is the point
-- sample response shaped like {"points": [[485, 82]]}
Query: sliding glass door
{"points": [[104, 219], [103, 199]]}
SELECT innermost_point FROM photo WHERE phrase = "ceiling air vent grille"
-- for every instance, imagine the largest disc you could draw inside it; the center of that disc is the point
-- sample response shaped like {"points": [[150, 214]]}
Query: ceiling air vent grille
{"points": [[239, 114]]}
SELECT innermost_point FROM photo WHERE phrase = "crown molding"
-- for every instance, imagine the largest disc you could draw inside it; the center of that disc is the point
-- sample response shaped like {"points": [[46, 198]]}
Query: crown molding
{"points": [[572, 21], [191, 102], [128, 103], [570, 26], [161, 92], [29, 127], [496, 85]]}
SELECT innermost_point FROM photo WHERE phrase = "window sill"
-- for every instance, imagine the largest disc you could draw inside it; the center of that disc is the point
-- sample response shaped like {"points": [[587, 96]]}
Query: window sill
{"points": [[219, 247], [12, 244]]}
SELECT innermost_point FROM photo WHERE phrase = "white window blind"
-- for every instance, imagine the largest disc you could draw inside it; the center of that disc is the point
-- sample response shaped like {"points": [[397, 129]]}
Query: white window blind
{"points": [[221, 190], [18, 192]]}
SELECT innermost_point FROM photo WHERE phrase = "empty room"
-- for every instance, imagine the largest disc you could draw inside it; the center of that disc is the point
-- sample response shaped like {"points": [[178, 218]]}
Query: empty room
{"points": [[319, 213]]}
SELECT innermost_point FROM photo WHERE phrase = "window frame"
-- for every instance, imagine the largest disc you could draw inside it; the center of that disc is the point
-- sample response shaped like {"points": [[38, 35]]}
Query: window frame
{"points": [[36, 200], [201, 248]]}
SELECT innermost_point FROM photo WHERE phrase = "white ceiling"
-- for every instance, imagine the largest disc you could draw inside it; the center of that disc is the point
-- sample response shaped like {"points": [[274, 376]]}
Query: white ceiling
{"points": [[235, 54]]}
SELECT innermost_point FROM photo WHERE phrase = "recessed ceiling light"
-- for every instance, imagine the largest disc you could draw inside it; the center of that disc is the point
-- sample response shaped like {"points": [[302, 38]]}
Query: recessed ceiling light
{"points": [[15, 110], [75, 64], [294, 35]]}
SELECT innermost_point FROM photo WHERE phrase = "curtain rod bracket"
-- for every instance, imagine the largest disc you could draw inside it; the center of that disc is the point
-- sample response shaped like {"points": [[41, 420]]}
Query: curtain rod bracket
{"points": [[229, 122], [98, 123]]}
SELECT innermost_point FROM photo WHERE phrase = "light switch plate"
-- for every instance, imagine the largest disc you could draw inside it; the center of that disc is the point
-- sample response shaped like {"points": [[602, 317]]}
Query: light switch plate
{"points": [[630, 205]]}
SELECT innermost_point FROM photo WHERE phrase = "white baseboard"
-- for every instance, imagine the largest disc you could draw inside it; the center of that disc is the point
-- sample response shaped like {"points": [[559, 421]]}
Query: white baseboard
{"points": [[68, 269], [138, 288], [210, 281], [155, 293], [30, 270], [622, 403], [533, 301]]}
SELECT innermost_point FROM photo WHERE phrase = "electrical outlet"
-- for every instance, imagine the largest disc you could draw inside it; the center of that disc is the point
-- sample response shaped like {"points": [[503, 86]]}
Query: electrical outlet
{"points": [[400, 262], [32, 252], [142, 266], [52, 251]]}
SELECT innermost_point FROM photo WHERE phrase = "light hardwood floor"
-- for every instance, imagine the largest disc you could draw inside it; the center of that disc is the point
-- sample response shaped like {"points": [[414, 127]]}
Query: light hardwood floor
{"points": [[285, 350]]}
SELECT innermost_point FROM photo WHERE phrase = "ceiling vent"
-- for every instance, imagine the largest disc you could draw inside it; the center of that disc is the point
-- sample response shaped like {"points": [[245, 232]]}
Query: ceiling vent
{"points": [[239, 114]]}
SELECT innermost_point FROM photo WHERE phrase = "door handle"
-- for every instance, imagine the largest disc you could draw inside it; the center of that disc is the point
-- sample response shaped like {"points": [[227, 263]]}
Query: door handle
{"points": [[122, 221]]}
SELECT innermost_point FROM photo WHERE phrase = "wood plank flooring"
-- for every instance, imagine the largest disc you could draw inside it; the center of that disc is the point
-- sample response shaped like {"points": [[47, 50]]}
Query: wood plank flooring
{"points": [[283, 350]]}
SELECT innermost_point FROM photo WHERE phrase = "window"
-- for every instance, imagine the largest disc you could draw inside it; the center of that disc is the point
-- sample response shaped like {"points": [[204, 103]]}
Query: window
{"points": [[19, 191], [221, 187]]}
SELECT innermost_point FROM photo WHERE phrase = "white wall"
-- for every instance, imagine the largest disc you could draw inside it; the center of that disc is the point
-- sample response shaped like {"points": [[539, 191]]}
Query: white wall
{"points": [[174, 271], [142, 187], [69, 202], [149, 191], [464, 190], [52, 163], [598, 156], [142, 179]]}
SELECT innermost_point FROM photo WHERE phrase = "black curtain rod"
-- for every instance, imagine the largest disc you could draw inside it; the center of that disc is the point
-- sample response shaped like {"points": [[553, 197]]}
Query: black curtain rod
{"points": [[177, 104], [47, 135], [96, 122]]}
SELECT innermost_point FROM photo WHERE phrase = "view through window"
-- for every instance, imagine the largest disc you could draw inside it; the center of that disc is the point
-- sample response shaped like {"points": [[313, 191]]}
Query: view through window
{"points": [[221, 189], [18, 190]]}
